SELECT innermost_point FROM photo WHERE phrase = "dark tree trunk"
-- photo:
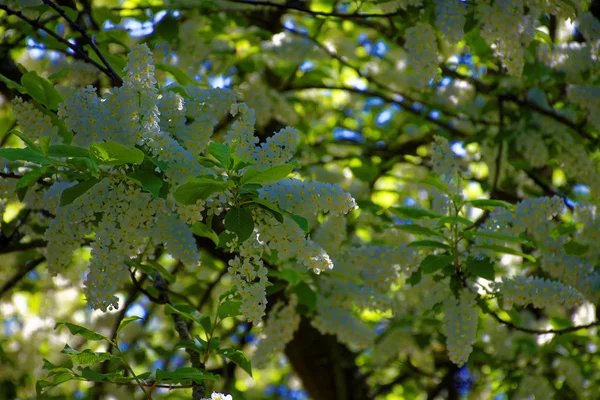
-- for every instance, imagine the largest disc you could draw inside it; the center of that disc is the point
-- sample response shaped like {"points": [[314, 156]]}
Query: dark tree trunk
{"points": [[327, 368]]}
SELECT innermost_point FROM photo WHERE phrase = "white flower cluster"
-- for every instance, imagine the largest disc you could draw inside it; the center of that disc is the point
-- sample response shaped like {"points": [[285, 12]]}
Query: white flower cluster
{"points": [[505, 25], [289, 47], [588, 216], [277, 333], [250, 278], [445, 164], [460, 326], [266, 101], [241, 132], [131, 115], [589, 27], [219, 396], [421, 45], [531, 215], [450, 19], [573, 58], [277, 149], [80, 73], [331, 233], [423, 296], [122, 217], [537, 291], [33, 121], [532, 147], [334, 320], [288, 241], [306, 198], [588, 98], [534, 387], [177, 237], [572, 270]]}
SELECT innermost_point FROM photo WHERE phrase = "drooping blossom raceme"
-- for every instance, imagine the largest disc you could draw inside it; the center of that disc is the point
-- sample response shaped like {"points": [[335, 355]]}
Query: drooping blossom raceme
{"points": [[460, 325], [279, 330], [537, 291], [421, 45]]}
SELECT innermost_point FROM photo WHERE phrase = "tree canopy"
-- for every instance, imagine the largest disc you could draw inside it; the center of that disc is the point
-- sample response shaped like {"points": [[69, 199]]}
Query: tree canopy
{"points": [[287, 199]]}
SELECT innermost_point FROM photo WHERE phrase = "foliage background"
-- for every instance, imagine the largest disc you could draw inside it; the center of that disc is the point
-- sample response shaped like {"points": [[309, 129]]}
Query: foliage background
{"points": [[367, 121]]}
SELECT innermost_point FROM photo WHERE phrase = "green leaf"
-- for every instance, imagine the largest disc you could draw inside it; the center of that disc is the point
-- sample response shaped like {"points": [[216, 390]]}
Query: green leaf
{"points": [[501, 237], [366, 172], [150, 181], [221, 152], [181, 77], [127, 321], [506, 250], [92, 375], [45, 144], [68, 364], [162, 271], [87, 356], [429, 243], [111, 153], [42, 386], [418, 230], [12, 84], [239, 221], [70, 194], [31, 177], [240, 162], [574, 248], [301, 221], [85, 164], [515, 317], [24, 155], [490, 205], [42, 90], [454, 219], [482, 268], [433, 263], [189, 312], [238, 358], [63, 73], [65, 151], [291, 275], [414, 278], [63, 132], [199, 189], [81, 331], [306, 296], [229, 308], [202, 230], [266, 175], [25, 139], [414, 213], [185, 374], [271, 208], [198, 346], [226, 237]]}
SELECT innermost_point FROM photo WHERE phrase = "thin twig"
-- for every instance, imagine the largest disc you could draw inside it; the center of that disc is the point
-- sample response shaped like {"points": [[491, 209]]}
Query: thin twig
{"points": [[117, 81], [62, 40], [544, 331], [12, 282], [292, 7]]}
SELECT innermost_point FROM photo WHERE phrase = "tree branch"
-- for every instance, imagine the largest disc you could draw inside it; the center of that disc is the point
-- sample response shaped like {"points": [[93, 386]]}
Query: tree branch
{"points": [[544, 331], [292, 7], [62, 40], [12, 282], [117, 81]]}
